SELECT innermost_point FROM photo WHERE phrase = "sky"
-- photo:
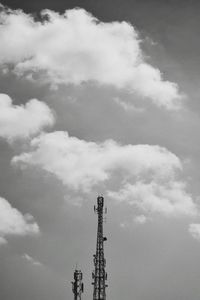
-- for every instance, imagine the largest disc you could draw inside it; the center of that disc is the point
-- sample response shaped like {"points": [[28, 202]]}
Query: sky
{"points": [[100, 98]]}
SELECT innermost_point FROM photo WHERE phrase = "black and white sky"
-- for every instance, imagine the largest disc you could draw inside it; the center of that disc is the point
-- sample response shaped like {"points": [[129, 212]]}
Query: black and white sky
{"points": [[100, 97]]}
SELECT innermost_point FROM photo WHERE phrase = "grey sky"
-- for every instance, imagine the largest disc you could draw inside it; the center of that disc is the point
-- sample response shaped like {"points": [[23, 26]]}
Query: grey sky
{"points": [[152, 250]]}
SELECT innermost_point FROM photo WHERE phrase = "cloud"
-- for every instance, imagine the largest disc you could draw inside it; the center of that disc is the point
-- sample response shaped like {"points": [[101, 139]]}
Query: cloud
{"points": [[194, 230], [12, 222], [22, 121], [81, 165], [2, 241], [149, 177], [31, 260], [75, 47], [168, 198], [127, 106], [141, 219]]}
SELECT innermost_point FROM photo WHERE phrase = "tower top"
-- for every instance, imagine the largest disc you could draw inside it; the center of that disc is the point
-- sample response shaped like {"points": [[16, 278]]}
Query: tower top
{"points": [[100, 201], [77, 285]]}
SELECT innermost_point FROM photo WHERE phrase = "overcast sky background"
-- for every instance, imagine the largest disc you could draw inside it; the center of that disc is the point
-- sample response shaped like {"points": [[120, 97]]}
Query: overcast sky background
{"points": [[100, 97]]}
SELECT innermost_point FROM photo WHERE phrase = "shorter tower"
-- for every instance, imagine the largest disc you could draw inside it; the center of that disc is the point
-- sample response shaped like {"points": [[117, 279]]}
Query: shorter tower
{"points": [[77, 285]]}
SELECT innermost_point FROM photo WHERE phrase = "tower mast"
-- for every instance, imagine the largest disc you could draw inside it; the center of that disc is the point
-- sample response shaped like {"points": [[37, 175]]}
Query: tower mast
{"points": [[77, 285], [99, 275]]}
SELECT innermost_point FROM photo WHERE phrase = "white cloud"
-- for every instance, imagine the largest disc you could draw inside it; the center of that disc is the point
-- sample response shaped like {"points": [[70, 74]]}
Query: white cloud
{"points": [[12, 222], [123, 225], [149, 176], [2, 241], [81, 165], [22, 121], [129, 223], [194, 230], [75, 47], [31, 260], [168, 198], [127, 106], [141, 219]]}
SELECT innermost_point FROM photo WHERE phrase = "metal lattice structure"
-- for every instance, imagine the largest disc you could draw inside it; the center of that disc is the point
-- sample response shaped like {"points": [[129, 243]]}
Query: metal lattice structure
{"points": [[77, 285], [99, 275]]}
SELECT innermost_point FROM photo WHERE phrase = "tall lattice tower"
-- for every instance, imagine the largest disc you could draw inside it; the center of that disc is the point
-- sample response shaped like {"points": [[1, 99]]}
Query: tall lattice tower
{"points": [[99, 275], [77, 285]]}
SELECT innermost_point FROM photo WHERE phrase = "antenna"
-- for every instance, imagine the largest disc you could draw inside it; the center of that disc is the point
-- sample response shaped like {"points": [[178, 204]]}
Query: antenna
{"points": [[99, 275], [77, 285]]}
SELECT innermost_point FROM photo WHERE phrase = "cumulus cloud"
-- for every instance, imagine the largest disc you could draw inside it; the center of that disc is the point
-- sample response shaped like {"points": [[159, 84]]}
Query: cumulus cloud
{"points": [[194, 230], [3, 241], [13, 222], [22, 121], [141, 219], [127, 106], [168, 198], [149, 176], [75, 47], [31, 260], [81, 165]]}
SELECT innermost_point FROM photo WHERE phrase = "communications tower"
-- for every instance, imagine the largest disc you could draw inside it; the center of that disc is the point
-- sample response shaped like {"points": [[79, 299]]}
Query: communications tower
{"points": [[77, 285], [99, 275]]}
